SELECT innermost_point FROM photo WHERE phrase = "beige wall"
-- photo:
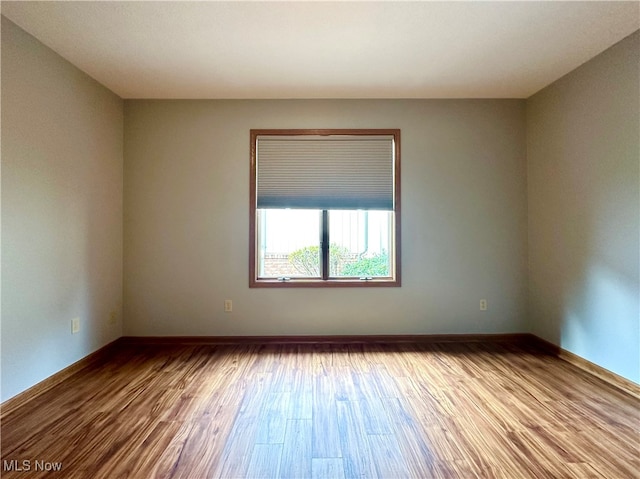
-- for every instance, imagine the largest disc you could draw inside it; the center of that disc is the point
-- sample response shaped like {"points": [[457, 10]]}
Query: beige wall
{"points": [[187, 206], [61, 212], [583, 152]]}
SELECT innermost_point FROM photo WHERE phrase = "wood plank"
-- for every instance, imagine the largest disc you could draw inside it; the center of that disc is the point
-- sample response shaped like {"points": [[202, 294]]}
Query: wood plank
{"points": [[356, 451], [272, 421], [387, 456], [301, 398], [327, 468], [265, 462], [240, 442], [296, 451], [373, 413], [419, 454], [325, 435]]}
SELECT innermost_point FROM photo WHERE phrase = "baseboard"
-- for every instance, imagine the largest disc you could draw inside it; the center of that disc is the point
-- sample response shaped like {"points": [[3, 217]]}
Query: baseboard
{"points": [[620, 383], [337, 339], [10, 405]]}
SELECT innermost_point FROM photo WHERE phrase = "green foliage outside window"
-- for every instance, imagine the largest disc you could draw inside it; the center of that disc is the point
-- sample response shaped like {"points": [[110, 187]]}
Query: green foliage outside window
{"points": [[307, 262], [376, 265]]}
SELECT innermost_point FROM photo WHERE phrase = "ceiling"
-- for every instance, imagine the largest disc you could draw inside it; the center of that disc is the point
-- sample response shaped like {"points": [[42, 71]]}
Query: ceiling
{"points": [[176, 49]]}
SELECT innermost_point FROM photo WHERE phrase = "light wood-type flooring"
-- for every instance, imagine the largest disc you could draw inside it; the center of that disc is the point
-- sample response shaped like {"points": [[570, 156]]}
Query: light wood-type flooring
{"points": [[326, 411]]}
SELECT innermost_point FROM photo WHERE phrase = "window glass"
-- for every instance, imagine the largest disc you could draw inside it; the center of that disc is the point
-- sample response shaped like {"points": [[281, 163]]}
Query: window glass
{"points": [[288, 243], [360, 242]]}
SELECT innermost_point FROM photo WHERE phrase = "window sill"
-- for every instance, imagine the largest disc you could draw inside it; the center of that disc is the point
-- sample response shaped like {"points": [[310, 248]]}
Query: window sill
{"points": [[318, 283]]}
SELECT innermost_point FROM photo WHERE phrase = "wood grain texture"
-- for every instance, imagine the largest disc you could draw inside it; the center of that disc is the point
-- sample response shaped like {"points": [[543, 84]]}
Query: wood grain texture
{"points": [[327, 410]]}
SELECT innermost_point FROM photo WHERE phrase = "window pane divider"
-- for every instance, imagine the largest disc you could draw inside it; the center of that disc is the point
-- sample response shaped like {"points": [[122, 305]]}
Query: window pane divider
{"points": [[324, 244]]}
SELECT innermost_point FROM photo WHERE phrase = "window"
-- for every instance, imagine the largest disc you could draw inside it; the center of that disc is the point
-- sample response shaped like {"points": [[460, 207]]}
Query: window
{"points": [[325, 208]]}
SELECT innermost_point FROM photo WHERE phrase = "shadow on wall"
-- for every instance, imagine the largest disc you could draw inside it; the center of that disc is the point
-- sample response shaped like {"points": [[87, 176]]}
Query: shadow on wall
{"points": [[601, 320]]}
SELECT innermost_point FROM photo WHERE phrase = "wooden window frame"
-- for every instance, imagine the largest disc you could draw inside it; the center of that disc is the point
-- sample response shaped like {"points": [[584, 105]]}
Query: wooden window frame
{"points": [[325, 281]]}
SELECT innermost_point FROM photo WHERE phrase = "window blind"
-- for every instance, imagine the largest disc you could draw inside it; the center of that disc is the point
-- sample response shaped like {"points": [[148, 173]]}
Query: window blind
{"points": [[325, 172]]}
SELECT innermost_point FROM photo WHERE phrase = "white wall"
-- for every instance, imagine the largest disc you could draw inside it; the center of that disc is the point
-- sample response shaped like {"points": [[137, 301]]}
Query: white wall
{"points": [[62, 168], [187, 220], [583, 151]]}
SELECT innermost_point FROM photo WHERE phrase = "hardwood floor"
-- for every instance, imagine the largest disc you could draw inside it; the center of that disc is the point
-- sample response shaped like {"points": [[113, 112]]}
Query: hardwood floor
{"points": [[326, 411]]}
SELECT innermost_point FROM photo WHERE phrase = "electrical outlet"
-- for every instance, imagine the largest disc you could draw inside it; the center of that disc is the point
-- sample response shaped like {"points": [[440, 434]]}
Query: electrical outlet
{"points": [[228, 305], [75, 325], [112, 318], [483, 305]]}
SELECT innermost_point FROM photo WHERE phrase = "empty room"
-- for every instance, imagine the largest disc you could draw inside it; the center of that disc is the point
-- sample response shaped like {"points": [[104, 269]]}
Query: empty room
{"points": [[320, 240]]}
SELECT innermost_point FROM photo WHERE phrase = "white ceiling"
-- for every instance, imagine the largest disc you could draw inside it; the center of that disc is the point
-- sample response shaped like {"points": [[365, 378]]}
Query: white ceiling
{"points": [[240, 49]]}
